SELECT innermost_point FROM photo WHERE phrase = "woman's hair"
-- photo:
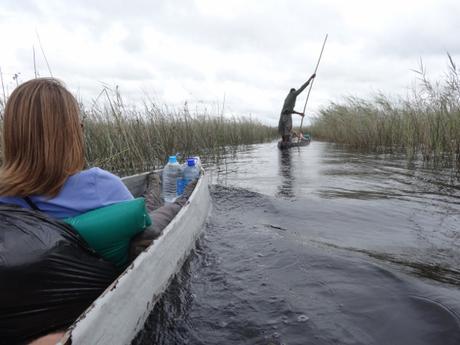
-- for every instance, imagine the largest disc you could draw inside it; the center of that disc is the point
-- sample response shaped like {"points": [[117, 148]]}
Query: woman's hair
{"points": [[42, 139]]}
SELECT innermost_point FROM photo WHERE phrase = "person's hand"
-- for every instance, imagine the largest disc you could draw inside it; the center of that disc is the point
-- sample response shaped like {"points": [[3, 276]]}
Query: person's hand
{"points": [[313, 76], [302, 114]]}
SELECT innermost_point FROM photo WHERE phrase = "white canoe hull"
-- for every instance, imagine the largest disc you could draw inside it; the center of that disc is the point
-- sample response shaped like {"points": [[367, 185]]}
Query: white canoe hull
{"points": [[120, 312]]}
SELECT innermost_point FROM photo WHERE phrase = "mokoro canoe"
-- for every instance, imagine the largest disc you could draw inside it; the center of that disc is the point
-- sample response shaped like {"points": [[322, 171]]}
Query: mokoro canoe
{"points": [[284, 146], [120, 312]]}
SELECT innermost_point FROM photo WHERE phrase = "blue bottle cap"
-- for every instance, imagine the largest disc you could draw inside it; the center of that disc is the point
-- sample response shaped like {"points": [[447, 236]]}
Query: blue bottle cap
{"points": [[191, 162], [172, 159]]}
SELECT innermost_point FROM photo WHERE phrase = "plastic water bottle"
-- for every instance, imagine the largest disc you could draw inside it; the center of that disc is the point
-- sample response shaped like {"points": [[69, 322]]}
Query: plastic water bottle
{"points": [[191, 171], [180, 182], [171, 174]]}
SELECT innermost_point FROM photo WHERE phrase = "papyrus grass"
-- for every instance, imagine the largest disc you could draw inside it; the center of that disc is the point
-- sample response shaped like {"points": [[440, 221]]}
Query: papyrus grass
{"points": [[127, 139], [425, 124]]}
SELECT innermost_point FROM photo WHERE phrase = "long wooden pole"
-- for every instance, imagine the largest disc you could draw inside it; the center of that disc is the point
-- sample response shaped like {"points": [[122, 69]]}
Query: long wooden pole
{"points": [[311, 84]]}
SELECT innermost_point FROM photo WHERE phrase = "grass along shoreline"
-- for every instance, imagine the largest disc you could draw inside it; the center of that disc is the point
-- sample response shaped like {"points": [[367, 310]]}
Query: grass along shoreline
{"points": [[425, 125], [128, 140]]}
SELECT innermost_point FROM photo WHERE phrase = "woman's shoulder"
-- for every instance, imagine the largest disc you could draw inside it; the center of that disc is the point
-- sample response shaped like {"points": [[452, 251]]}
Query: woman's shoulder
{"points": [[84, 191], [104, 176], [93, 175], [94, 171], [108, 186], [93, 188], [99, 181]]}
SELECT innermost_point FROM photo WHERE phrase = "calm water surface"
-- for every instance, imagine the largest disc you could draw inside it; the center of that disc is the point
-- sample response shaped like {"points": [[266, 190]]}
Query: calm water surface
{"points": [[318, 245]]}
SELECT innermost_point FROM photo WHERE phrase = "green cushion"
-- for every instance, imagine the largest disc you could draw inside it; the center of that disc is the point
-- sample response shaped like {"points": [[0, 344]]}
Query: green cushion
{"points": [[108, 230]]}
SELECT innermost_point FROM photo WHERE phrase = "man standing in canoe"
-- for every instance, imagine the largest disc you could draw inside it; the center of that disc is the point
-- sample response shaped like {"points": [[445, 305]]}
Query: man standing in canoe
{"points": [[285, 123]]}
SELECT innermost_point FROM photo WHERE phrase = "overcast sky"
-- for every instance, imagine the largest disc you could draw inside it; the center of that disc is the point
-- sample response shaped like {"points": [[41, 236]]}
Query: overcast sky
{"points": [[248, 52]]}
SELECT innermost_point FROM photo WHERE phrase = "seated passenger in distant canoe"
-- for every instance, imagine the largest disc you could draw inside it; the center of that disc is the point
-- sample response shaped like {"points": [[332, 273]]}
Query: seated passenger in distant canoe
{"points": [[299, 135], [43, 156]]}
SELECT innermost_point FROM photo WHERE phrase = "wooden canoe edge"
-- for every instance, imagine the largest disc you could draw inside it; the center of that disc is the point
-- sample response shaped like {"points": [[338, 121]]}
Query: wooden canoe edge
{"points": [[200, 194]]}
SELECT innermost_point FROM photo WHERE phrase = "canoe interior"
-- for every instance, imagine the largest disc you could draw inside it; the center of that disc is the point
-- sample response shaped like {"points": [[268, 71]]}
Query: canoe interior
{"points": [[138, 184], [147, 185], [118, 314]]}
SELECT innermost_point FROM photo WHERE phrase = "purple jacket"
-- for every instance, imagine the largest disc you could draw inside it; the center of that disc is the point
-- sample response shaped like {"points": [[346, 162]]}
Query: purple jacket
{"points": [[82, 192]]}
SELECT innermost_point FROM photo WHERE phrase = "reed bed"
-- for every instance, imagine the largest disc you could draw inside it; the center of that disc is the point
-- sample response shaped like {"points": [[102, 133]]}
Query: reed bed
{"points": [[127, 139], [424, 125]]}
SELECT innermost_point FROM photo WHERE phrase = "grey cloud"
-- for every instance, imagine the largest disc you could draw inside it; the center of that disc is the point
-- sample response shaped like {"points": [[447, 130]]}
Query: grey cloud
{"points": [[133, 42], [272, 28], [167, 67], [415, 42], [111, 70], [117, 71], [283, 36], [131, 73], [239, 74], [432, 31], [270, 32], [23, 6]]}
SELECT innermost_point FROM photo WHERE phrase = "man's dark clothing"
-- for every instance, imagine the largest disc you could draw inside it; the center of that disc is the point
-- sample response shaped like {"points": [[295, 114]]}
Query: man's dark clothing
{"points": [[285, 122], [289, 102]]}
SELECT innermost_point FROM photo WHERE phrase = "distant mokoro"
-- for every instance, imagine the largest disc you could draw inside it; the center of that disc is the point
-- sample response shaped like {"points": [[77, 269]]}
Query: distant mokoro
{"points": [[297, 143]]}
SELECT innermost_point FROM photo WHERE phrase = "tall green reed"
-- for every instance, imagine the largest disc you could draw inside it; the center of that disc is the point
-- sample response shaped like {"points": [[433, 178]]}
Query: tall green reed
{"points": [[128, 139], [425, 124]]}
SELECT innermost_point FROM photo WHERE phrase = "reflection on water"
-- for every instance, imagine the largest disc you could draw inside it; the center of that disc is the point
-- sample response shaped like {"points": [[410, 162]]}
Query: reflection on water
{"points": [[370, 202], [317, 245], [285, 188]]}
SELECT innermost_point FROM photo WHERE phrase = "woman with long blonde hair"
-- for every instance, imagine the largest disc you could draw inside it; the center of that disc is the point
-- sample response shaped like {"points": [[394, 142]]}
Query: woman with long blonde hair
{"points": [[43, 154]]}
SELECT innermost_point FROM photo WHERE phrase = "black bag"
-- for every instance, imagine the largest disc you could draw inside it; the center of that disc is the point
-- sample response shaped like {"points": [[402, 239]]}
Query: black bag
{"points": [[48, 275]]}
